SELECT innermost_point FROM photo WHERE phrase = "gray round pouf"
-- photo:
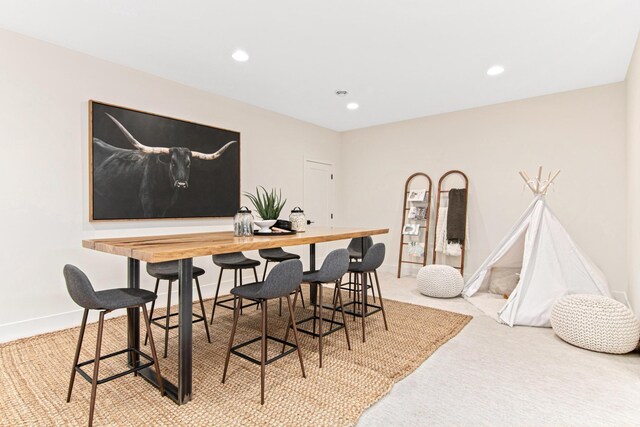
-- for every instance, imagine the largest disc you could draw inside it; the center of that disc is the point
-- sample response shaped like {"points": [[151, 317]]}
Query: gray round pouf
{"points": [[596, 323], [440, 281]]}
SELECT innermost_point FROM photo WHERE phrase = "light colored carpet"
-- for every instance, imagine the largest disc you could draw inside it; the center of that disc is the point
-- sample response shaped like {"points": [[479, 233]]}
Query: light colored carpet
{"points": [[494, 375], [35, 373]]}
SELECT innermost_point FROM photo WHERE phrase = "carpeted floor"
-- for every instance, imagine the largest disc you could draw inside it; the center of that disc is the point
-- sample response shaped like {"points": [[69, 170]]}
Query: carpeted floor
{"points": [[35, 373], [493, 375]]}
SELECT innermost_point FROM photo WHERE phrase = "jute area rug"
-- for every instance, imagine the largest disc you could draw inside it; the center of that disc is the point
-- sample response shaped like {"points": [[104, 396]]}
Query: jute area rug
{"points": [[35, 373]]}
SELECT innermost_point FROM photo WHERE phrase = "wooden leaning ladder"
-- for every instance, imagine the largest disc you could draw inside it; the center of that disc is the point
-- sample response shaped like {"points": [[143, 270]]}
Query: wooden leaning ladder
{"points": [[440, 194], [424, 226]]}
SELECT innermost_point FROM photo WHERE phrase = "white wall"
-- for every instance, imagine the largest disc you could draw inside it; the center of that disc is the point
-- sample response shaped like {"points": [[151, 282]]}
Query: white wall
{"points": [[44, 134], [581, 132], [633, 178]]}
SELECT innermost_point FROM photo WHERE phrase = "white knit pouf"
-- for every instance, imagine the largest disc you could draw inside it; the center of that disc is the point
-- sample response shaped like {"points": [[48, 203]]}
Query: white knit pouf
{"points": [[440, 281], [596, 323]]}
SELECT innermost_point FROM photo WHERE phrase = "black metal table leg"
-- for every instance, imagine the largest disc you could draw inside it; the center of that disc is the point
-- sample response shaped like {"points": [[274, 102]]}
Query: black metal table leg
{"points": [[313, 292], [185, 297], [181, 393], [133, 314], [363, 308]]}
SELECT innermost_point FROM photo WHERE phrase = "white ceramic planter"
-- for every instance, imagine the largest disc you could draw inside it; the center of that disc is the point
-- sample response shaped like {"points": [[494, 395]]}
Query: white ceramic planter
{"points": [[265, 225]]}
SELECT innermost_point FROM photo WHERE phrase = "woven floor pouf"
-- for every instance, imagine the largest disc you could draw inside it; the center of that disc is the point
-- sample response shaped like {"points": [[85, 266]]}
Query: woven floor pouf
{"points": [[440, 281], [595, 322]]}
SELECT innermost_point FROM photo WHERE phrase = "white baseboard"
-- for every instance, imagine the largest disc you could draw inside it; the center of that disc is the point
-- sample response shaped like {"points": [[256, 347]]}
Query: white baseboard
{"points": [[55, 322]]}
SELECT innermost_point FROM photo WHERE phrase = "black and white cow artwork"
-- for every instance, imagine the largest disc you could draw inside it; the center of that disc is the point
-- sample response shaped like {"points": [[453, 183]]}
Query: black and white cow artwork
{"points": [[149, 180]]}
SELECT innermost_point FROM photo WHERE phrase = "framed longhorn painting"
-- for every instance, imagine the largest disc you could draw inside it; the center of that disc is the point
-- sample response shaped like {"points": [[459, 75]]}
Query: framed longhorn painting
{"points": [[147, 166]]}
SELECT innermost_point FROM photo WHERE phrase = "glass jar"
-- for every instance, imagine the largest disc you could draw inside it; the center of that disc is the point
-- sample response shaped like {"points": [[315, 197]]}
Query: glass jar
{"points": [[298, 220], [243, 223]]}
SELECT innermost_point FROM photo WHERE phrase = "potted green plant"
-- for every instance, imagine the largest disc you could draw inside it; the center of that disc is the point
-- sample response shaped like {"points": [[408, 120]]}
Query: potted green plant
{"points": [[268, 204]]}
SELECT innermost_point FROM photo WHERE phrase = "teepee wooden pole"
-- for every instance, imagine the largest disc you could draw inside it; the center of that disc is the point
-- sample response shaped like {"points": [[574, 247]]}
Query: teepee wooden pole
{"points": [[548, 183], [539, 179], [527, 181]]}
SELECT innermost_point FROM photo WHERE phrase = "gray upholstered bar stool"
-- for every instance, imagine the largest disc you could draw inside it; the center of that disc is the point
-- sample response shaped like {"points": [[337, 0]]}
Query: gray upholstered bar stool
{"points": [[335, 266], [355, 254], [83, 294], [169, 271], [237, 262], [372, 260], [283, 280], [277, 255]]}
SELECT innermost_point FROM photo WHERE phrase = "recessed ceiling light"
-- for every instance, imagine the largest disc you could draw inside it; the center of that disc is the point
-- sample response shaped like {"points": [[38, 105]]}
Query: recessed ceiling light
{"points": [[341, 92], [495, 70], [240, 55], [353, 106]]}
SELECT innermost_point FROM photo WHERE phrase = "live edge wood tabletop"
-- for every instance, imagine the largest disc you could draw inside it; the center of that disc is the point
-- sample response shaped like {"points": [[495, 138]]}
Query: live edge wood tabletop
{"points": [[180, 246]]}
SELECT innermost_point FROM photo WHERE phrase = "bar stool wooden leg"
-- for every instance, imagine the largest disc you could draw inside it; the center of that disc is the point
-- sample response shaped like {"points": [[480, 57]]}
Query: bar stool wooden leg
{"points": [[153, 305], [263, 349], [373, 290], [167, 320], [215, 298], [295, 332], [264, 274], [156, 363], [96, 365], [255, 275], [363, 308], [384, 315], [344, 318], [355, 294], [291, 320], [320, 321], [236, 315], [77, 356], [240, 275], [334, 301], [204, 314], [301, 297], [315, 309]]}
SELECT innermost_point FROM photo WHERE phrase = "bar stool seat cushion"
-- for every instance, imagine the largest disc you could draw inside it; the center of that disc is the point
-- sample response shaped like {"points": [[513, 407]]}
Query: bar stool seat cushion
{"points": [[235, 260], [250, 291], [277, 255], [333, 268], [355, 267], [169, 270], [311, 277], [113, 299]]}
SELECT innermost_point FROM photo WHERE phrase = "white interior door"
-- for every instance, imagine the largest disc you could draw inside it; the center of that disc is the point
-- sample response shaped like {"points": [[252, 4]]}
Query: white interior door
{"points": [[318, 193]]}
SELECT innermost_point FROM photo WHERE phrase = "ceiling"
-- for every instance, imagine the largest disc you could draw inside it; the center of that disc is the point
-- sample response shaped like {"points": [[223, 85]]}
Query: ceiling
{"points": [[398, 59]]}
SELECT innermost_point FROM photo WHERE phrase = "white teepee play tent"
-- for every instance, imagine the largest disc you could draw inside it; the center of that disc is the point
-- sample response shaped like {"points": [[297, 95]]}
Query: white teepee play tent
{"points": [[551, 264]]}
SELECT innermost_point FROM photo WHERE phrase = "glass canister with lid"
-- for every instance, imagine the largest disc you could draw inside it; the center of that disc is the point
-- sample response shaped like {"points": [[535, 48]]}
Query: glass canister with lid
{"points": [[298, 220], [243, 223]]}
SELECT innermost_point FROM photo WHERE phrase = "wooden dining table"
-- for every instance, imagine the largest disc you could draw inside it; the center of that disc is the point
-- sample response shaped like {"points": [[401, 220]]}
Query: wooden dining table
{"points": [[185, 247]]}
